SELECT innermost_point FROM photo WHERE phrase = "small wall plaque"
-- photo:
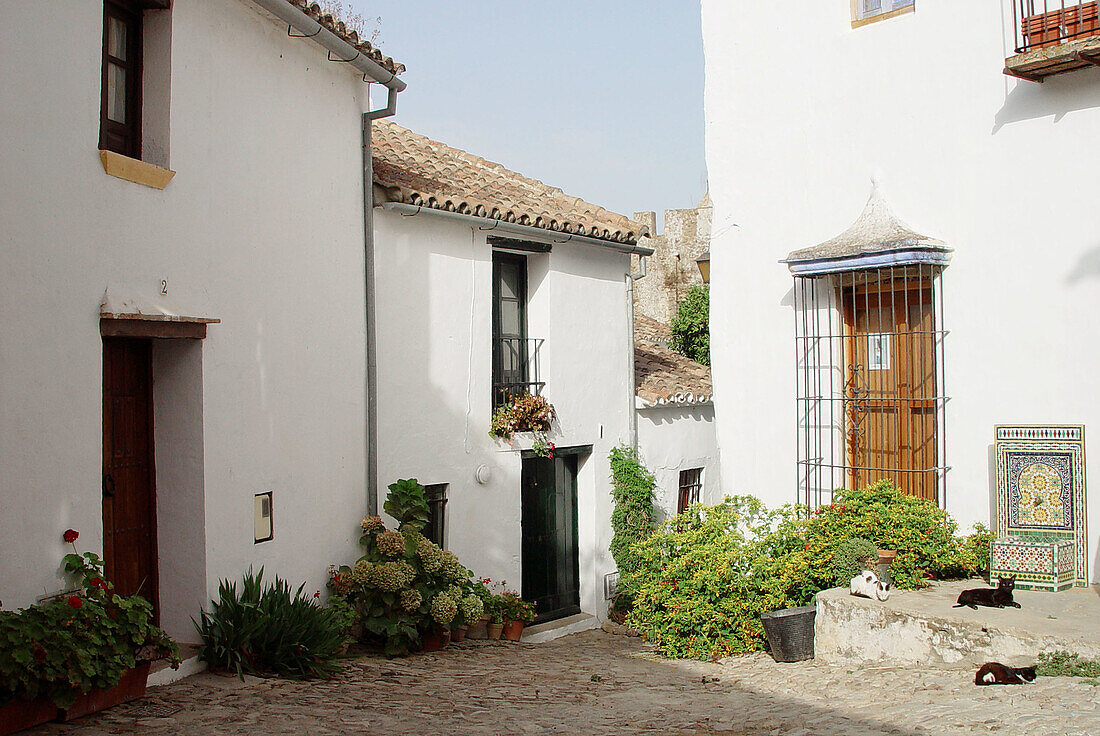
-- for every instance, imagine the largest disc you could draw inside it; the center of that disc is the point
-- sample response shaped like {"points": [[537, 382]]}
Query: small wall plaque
{"points": [[264, 528]]}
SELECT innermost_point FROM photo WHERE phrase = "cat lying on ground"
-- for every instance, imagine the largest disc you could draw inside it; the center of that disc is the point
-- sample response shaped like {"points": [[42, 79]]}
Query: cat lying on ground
{"points": [[995, 673], [998, 597], [867, 585]]}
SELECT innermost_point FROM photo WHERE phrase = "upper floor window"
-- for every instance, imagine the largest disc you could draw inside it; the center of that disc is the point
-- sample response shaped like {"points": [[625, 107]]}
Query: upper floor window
{"points": [[867, 11], [515, 355], [120, 101]]}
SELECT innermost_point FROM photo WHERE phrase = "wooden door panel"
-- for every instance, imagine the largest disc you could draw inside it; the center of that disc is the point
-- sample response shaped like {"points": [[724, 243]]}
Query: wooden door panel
{"points": [[129, 499], [549, 536], [890, 387]]}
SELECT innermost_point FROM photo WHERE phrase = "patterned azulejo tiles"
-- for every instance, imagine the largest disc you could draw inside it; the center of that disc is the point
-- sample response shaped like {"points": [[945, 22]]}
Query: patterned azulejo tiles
{"points": [[1041, 505]]}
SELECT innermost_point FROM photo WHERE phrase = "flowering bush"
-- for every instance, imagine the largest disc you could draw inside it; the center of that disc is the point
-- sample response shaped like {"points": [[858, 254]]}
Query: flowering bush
{"points": [[526, 413], [74, 643], [404, 585], [703, 579]]}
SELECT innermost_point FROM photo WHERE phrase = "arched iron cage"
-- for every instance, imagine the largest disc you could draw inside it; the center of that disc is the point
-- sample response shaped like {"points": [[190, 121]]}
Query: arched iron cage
{"points": [[871, 398]]}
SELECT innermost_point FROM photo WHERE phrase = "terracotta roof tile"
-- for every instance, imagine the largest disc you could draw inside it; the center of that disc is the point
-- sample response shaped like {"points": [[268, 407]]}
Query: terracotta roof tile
{"points": [[662, 376], [313, 10], [414, 169]]}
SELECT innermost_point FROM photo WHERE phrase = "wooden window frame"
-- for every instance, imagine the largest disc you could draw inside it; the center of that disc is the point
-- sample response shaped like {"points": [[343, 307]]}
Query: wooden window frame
{"points": [[690, 488], [130, 13], [436, 496], [888, 9], [520, 261]]}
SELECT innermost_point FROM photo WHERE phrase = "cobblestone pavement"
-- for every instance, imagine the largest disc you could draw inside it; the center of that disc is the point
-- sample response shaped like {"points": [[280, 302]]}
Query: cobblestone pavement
{"points": [[597, 683]]}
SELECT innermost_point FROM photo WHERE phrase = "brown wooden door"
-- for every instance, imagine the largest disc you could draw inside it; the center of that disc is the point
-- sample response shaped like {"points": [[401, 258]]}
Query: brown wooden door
{"points": [[129, 478], [890, 387]]}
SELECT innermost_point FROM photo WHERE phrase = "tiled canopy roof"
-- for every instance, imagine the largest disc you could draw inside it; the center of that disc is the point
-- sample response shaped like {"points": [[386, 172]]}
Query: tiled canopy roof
{"points": [[338, 27], [662, 376], [416, 170]]}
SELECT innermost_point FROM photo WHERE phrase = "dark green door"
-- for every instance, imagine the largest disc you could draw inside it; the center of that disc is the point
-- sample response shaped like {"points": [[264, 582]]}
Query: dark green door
{"points": [[551, 576]]}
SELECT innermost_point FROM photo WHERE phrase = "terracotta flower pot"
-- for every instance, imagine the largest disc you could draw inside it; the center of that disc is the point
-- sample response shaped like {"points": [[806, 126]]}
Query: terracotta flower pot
{"points": [[130, 687], [477, 629], [513, 630], [494, 630], [434, 640], [20, 714], [458, 633]]}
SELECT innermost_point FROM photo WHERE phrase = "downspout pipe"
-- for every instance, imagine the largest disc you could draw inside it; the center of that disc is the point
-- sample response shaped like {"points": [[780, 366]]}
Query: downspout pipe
{"points": [[344, 51], [369, 303], [527, 232], [630, 279]]}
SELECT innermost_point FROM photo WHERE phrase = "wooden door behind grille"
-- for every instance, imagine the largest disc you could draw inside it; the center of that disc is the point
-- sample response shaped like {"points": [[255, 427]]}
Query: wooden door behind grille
{"points": [[890, 387]]}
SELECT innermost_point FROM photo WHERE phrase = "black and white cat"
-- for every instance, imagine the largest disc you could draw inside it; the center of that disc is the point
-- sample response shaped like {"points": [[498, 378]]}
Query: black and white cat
{"points": [[995, 673], [867, 585], [998, 597]]}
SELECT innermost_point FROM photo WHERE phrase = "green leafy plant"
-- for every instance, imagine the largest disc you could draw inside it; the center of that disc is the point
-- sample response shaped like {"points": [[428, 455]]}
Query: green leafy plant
{"points": [[79, 641], [704, 577], [851, 557], [404, 585], [270, 630], [525, 413], [690, 326], [408, 503], [1066, 664], [633, 518], [514, 608]]}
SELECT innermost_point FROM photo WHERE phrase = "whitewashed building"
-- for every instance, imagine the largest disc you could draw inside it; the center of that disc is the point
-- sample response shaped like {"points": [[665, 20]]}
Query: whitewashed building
{"points": [[889, 350], [488, 284], [183, 353]]}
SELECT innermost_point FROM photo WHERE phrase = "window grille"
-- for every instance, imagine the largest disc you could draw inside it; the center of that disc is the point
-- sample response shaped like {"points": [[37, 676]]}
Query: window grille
{"points": [[691, 485], [870, 381]]}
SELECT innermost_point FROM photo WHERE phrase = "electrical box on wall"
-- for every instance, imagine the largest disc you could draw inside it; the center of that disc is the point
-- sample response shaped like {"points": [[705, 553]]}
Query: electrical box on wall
{"points": [[264, 529]]}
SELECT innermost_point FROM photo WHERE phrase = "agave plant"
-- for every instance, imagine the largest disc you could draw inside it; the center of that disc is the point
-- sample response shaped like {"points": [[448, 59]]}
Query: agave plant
{"points": [[268, 629]]}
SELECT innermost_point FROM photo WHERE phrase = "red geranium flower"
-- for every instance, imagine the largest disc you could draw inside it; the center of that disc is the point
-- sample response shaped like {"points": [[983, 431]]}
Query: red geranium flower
{"points": [[99, 583], [75, 601], [71, 535]]}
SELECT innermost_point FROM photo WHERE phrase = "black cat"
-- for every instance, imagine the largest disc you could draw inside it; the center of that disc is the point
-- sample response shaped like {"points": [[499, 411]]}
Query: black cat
{"points": [[998, 597], [995, 673]]}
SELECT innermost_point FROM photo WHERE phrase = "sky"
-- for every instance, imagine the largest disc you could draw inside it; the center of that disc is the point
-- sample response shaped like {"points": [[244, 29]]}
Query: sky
{"points": [[602, 98]]}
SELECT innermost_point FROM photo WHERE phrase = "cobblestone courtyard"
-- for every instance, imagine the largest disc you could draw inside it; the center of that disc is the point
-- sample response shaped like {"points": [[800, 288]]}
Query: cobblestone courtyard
{"points": [[596, 683]]}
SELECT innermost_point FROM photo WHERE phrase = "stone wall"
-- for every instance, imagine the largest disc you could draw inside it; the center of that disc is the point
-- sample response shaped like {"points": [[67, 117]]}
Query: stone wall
{"points": [[671, 270]]}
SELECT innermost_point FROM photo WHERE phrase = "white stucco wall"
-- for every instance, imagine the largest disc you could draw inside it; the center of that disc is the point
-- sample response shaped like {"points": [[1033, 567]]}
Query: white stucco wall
{"points": [[434, 293], [801, 112], [675, 438], [261, 227]]}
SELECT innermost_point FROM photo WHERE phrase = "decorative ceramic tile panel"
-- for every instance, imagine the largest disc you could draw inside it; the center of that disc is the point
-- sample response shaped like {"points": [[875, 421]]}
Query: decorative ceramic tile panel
{"points": [[1035, 565], [1041, 498]]}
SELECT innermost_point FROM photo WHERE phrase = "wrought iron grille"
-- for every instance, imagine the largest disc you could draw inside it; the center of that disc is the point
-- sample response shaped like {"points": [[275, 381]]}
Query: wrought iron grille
{"points": [[515, 368], [1043, 23], [869, 350]]}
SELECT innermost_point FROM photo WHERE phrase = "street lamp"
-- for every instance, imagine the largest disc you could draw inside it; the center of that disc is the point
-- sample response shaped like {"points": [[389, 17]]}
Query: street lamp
{"points": [[703, 262]]}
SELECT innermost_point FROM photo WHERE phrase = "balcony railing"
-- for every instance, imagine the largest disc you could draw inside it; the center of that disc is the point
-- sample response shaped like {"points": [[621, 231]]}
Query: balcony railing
{"points": [[515, 368], [1045, 23]]}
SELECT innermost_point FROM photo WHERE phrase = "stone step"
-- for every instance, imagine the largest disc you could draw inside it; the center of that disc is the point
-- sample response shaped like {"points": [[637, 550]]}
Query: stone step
{"points": [[923, 628]]}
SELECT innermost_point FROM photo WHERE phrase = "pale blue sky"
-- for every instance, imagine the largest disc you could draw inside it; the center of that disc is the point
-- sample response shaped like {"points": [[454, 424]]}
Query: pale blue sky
{"points": [[601, 98]]}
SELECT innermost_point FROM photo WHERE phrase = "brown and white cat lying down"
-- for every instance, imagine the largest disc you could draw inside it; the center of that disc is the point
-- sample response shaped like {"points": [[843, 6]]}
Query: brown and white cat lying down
{"points": [[995, 673]]}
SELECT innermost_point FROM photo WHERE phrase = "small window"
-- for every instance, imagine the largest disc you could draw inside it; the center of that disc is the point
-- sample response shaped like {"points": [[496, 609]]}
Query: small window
{"points": [[691, 484], [120, 101], [437, 503], [867, 11]]}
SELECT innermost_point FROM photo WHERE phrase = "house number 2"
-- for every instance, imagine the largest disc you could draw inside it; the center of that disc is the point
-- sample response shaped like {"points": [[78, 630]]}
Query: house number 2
{"points": [[164, 286]]}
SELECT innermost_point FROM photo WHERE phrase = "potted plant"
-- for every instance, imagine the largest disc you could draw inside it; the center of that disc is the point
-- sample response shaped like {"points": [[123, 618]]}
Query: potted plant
{"points": [[525, 413], [470, 609], [78, 652], [516, 613], [496, 618]]}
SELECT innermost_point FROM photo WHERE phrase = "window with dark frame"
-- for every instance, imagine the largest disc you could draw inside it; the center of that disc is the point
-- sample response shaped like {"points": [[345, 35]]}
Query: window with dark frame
{"points": [[510, 349], [691, 486], [120, 94], [437, 503]]}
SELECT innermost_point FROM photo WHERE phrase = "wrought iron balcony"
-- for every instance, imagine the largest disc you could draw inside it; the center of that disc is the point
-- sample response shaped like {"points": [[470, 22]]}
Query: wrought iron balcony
{"points": [[515, 368], [1053, 37]]}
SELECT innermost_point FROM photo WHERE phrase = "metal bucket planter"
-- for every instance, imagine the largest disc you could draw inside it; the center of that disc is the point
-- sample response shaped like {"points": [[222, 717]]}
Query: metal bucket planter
{"points": [[790, 633]]}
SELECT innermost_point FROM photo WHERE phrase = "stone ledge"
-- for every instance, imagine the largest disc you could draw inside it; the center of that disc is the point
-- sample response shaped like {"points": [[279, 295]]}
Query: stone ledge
{"points": [[558, 628], [922, 627]]}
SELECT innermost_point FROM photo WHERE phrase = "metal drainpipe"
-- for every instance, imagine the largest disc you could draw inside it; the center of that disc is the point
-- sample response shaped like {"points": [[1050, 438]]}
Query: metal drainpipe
{"points": [[630, 279], [369, 306]]}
